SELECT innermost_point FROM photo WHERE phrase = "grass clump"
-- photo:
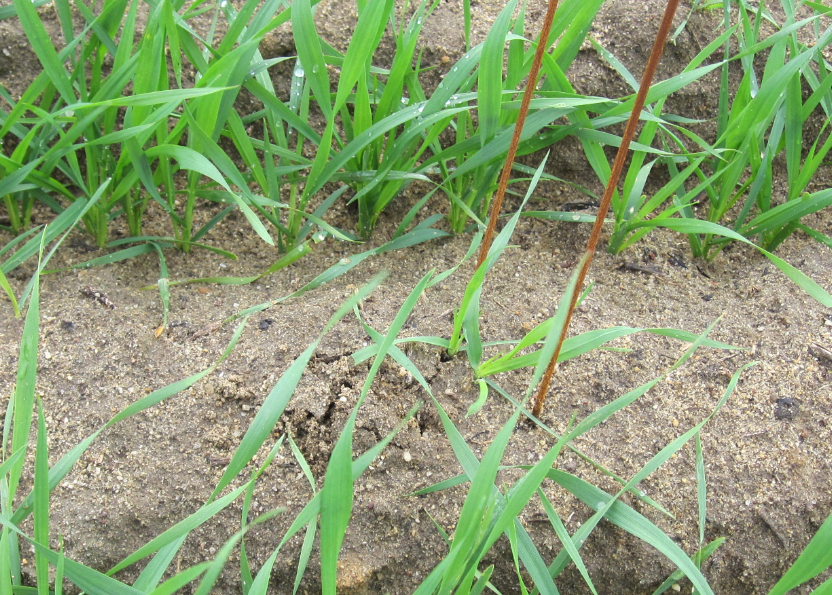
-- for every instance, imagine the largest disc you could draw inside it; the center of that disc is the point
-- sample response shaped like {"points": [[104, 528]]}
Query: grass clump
{"points": [[93, 152]]}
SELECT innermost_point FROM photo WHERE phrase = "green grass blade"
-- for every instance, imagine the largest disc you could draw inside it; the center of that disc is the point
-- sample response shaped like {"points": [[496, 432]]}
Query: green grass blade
{"points": [[467, 317], [628, 519], [87, 579], [190, 159], [24, 392], [482, 581], [816, 558], [308, 45], [180, 529], [311, 510], [156, 568], [490, 78], [214, 570], [305, 552], [701, 489], [43, 48], [60, 224], [363, 44], [565, 539], [475, 510], [229, 170], [41, 504], [636, 524], [4, 284], [520, 493], [176, 583], [701, 555]]}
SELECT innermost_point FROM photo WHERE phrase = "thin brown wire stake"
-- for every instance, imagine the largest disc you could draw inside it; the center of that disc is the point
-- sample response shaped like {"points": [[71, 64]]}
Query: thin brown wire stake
{"points": [[646, 80], [531, 85]]}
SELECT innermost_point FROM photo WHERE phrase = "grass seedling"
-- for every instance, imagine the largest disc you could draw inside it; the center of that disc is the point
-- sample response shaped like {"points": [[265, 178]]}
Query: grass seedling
{"points": [[87, 131], [815, 290], [618, 165], [769, 118], [488, 513], [471, 166], [531, 85], [765, 119], [14, 508]]}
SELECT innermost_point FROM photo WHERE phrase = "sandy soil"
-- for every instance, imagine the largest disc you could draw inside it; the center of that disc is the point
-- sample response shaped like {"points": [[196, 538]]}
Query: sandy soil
{"points": [[767, 452]]}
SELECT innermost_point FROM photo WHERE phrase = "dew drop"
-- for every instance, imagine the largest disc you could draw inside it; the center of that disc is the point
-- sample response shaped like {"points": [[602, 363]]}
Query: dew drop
{"points": [[315, 68], [299, 71], [345, 261], [576, 217], [541, 137], [466, 56], [441, 85], [601, 504], [421, 108], [419, 22], [456, 68], [369, 135], [632, 210], [223, 4]]}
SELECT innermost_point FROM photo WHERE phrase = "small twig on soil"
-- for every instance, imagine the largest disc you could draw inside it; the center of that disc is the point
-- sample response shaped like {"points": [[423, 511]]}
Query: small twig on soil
{"points": [[99, 296]]}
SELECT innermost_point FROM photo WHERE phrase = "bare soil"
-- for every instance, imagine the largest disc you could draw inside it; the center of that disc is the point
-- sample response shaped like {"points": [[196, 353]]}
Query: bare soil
{"points": [[767, 451]]}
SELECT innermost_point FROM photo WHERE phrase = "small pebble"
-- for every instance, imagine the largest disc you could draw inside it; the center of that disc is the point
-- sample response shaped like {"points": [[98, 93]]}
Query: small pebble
{"points": [[407, 457], [265, 324], [786, 408]]}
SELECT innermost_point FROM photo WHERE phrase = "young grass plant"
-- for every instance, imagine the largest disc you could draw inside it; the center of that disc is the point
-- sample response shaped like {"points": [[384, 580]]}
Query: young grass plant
{"points": [[14, 510], [769, 118], [766, 118], [487, 513], [470, 166], [376, 143], [86, 131]]}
